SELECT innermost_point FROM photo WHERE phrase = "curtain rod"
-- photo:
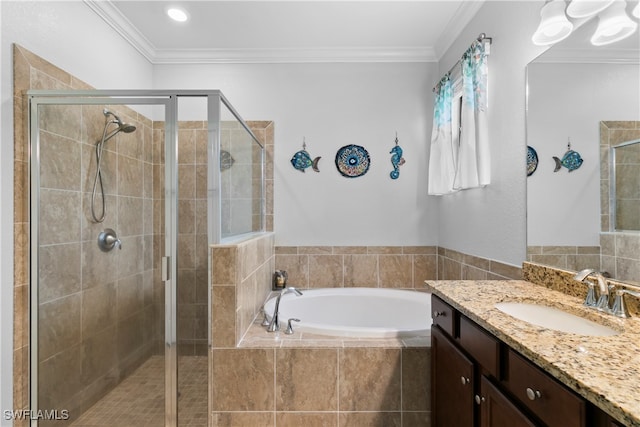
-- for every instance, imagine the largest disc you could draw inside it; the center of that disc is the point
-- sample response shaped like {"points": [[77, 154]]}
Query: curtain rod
{"points": [[481, 38]]}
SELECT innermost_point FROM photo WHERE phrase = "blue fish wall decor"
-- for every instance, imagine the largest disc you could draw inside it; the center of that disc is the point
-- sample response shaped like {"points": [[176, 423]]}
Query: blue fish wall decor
{"points": [[571, 160], [301, 160]]}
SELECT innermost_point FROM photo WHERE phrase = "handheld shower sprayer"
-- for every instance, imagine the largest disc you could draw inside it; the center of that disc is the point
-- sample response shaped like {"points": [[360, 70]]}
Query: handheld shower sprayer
{"points": [[122, 127]]}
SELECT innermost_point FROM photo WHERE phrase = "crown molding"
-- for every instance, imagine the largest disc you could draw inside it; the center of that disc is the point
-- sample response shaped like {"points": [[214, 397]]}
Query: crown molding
{"points": [[114, 18], [312, 55], [458, 22]]}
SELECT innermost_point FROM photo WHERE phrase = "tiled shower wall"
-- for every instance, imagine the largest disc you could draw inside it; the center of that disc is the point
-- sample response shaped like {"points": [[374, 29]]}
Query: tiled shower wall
{"points": [[91, 303]]}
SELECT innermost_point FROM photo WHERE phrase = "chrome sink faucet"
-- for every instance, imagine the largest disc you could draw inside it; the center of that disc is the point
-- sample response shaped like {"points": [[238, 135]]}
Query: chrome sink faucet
{"points": [[602, 303], [274, 325]]}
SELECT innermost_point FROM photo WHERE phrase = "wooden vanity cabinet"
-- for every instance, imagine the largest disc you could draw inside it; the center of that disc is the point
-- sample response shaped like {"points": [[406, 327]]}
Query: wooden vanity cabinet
{"points": [[452, 383], [478, 381]]}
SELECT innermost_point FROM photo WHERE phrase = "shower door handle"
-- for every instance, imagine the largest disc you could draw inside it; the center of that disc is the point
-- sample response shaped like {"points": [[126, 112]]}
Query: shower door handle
{"points": [[166, 265]]}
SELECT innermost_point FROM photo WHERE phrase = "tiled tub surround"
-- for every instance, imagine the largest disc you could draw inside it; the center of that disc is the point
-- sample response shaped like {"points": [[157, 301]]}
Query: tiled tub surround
{"points": [[403, 267], [300, 379], [601, 369], [268, 379]]}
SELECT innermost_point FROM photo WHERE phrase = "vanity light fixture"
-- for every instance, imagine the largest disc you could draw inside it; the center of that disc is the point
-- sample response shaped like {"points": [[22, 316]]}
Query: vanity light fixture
{"points": [[586, 8], [613, 25], [177, 14], [554, 25]]}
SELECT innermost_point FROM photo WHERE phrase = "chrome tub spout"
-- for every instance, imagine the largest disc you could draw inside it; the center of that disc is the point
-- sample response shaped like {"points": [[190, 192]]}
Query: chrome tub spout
{"points": [[274, 325]]}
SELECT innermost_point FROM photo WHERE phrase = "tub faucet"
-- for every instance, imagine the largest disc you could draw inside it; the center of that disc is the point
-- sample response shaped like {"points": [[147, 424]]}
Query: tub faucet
{"points": [[274, 325], [602, 302]]}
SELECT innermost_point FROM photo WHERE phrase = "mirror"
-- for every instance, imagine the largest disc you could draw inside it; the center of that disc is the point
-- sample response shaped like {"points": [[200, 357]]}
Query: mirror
{"points": [[583, 99], [624, 159]]}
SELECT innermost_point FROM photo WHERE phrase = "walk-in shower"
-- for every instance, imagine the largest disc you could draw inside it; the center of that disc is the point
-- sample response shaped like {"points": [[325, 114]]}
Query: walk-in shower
{"points": [[97, 181], [121, 337]]}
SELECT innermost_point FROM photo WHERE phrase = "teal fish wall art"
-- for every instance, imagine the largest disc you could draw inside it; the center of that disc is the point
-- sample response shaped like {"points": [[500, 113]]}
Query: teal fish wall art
{"points": [[396, 160], [301, 160], [571, 159]]}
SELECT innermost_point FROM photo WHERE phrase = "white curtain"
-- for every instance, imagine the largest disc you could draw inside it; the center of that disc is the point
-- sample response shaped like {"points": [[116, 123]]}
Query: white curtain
{"points": [[473, 168], [442, 159], [459, 156]]}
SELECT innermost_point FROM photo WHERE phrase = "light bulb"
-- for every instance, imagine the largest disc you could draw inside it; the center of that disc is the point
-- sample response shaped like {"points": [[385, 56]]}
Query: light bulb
{"points": [[554, 25], [586, 8], [613, 25]]}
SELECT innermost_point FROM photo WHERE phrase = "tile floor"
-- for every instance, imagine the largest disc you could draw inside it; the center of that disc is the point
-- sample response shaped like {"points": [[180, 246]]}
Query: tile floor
{"points": [[139, 399]]}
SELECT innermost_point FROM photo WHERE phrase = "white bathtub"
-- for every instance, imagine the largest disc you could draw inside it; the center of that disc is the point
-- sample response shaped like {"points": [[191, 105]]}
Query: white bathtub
{"points": [[356, 312]]}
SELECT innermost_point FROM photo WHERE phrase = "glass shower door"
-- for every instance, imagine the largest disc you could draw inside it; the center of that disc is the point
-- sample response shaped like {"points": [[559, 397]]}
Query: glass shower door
{"points": [[103, 331]]}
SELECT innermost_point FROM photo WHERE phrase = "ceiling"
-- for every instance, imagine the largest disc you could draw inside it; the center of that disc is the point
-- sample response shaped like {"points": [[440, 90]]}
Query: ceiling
{"points": [[289, 31]]}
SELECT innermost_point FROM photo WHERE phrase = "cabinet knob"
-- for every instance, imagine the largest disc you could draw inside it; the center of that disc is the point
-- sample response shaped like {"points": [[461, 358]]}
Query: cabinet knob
{"points": [[533, 394], [479, 399], [464, 380], [438, 314]]}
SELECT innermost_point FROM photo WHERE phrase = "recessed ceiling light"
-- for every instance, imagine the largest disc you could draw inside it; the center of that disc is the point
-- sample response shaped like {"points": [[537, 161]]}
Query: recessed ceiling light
{"points": [[177, 14]]}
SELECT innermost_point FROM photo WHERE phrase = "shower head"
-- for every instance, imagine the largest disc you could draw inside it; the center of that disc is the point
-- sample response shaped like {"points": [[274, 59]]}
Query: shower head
{"points": [[124, 127]]}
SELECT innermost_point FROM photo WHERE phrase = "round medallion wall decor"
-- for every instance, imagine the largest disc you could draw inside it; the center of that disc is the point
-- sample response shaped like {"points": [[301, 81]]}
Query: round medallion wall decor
{"points": [[352, 161]]}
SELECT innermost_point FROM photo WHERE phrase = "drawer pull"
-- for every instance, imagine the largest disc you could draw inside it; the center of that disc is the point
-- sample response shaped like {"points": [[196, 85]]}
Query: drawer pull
{"points": [[533, 394], [464, 380], [479, 399], [438, 314]]}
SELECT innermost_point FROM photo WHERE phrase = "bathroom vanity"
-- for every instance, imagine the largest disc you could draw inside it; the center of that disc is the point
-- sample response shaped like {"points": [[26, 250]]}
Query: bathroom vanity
{"points": [[491, 369]]}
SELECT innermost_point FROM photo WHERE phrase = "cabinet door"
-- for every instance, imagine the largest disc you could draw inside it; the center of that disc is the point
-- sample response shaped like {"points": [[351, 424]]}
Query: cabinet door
{"points": [[451, 383], [498, 411]]}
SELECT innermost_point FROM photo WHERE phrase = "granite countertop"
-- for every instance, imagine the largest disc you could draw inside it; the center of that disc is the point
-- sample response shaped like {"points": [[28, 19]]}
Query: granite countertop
{"points": [[605, 370]]}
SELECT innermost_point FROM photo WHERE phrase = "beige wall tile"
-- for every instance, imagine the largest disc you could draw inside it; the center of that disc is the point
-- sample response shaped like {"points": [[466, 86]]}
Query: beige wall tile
{"points": [[325, 271], [361, 270], [243, 379], [425, 267], [99, 309], [396, 271], [307, 419], [63, 378], [297, 268], [60, 162], [306, 380], [59, 270], [370, 419], [130, 175], [59, 216], [416, 419], [59, 325], [223, 265], [416, 379], [369, 379], [240, 419]]}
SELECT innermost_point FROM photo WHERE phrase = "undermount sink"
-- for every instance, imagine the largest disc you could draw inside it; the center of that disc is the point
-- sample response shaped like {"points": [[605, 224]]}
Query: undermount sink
{"points": [[554, 318]]}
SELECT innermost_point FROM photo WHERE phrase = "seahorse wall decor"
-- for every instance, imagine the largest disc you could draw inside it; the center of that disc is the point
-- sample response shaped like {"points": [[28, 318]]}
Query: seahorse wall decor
{"points": [[396, 160]]}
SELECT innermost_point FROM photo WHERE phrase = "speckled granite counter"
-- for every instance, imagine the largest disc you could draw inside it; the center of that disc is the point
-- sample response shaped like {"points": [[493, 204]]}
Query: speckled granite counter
{"points": [[604, 370]]}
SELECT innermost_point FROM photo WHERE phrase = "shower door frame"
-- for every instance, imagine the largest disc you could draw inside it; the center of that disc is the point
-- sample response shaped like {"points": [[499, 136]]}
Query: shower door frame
{"points": [[168, 99]]}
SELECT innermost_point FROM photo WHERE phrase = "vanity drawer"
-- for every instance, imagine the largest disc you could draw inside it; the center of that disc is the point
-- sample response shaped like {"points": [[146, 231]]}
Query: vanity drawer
{"points": [[554, 404], [443, 315], [483, 347]]}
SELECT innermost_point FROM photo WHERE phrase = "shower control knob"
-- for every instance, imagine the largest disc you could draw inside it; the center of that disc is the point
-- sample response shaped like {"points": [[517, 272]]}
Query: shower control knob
{"points": [[108, 239]]}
